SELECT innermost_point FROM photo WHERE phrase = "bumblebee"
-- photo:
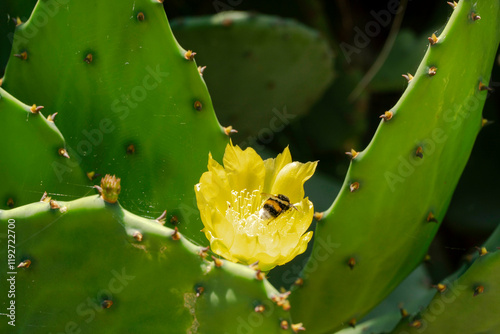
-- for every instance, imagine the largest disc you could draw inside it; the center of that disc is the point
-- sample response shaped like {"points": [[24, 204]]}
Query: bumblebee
{"points": [[274, 206]]}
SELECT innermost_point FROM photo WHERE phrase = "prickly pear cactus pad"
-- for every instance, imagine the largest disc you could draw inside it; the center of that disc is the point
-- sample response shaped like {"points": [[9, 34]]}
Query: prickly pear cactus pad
{"points": [[397, 190], [92, 267], [467, 304], [34, 149], [130, 100]]}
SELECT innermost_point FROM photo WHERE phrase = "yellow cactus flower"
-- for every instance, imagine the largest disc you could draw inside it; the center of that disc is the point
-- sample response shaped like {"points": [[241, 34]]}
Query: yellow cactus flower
{"points": [[255, 210]]}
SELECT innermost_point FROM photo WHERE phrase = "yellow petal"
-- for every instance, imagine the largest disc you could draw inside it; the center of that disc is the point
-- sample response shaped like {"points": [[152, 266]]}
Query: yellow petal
{"points": [[243, 248], [217, 225], [290, 180], [273, 167], [301, 247], [270, 244], [218, 247], [213, 189], [219, 174], [223, 230], [244, 169], [303, 216], [208, 192], [266, 262]]}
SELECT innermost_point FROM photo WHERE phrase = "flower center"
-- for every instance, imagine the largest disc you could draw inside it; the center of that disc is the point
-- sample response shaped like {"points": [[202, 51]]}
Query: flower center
{"points": [[243, 212]]}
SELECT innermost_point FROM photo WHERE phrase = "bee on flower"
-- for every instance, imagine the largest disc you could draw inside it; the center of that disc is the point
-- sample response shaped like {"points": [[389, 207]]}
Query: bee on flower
{"points": [[274, 206], [253, 209]]}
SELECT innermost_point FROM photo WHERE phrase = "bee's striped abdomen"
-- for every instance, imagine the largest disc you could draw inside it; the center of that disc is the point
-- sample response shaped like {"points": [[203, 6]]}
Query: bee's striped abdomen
{"points": [[273, 208]]}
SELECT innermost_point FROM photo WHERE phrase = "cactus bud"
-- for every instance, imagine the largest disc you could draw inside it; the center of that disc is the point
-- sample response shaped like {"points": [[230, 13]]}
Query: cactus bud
{"points": [[110, 186]]}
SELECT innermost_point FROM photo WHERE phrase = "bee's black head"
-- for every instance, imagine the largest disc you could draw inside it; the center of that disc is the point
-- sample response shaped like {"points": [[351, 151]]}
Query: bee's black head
{"points": [[283, 198]]}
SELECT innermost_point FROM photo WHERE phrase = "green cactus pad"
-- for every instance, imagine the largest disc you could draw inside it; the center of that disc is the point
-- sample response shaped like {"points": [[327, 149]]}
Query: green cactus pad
{"points": [[468, 305], [395, 195], [97, 268], [262, 71], [130, 103], [32, 162], [407, 297]]}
